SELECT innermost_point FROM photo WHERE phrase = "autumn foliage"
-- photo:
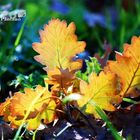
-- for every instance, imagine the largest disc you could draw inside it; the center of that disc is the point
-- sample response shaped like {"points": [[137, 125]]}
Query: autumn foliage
{"points": [[57, 52]]}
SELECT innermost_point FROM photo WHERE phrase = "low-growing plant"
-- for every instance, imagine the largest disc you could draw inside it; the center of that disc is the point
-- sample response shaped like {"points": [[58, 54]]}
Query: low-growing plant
{"points": [[93, 92]]}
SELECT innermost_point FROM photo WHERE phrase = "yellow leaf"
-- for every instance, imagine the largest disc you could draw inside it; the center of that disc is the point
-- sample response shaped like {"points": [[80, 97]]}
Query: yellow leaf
{"points": [[127, 68], [33, 106], [45, 117], [101, 90], [58, 46]]}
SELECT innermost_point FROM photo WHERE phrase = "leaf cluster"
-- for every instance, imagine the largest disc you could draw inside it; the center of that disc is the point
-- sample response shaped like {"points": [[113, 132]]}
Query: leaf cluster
{"points": [[103, 88]]}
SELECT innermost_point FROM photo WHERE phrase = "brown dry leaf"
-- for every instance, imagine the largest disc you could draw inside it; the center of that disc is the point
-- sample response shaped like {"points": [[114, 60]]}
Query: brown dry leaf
{"points": [[60, 79], [103, 59]]}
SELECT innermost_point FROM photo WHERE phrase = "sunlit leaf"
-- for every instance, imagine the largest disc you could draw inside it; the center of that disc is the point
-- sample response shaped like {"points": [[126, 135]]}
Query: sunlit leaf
{"points": [[43, 108], [127, 68], [58, 46], [102, 90]]}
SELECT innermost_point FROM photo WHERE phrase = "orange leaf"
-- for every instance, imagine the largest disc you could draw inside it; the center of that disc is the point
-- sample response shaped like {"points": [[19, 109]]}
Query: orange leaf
{"points": [[127, 68], [101, 90], [42, 107], [58, 46], [4, 109], [61, 79], [33, 123]]}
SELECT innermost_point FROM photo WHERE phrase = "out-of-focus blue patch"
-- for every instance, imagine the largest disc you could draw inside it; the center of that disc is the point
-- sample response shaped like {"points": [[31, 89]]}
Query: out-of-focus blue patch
{"points": [[18, 25], [93, 19], [60, 7], [6, 7], [32, 34], [83, 55], [114, 16], [18, 49]]}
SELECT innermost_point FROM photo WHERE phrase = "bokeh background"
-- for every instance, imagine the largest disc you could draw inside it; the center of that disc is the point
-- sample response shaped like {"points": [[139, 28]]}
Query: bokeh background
{"points": [[98, 22]]}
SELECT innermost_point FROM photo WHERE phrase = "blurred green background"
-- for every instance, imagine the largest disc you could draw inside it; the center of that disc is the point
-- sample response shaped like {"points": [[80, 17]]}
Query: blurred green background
{"points": [[97, 22]]}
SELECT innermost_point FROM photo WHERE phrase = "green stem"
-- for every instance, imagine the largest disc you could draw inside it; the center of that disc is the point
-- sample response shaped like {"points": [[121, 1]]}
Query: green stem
{"points": [[19, 34], [129, 100], [105, 118]]}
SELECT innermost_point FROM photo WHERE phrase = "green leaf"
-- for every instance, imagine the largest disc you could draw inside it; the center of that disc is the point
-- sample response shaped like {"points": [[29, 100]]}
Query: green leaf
{"points": [[92, 66], [30, 81]]}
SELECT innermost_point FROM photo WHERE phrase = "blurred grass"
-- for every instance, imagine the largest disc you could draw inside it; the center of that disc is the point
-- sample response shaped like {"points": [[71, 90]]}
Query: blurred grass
{"points": [[109, 124], [117, 27]]}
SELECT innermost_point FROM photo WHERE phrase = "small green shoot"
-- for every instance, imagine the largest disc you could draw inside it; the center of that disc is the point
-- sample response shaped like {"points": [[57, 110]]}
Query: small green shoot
{"points": [[130, 100], [92, 66]]}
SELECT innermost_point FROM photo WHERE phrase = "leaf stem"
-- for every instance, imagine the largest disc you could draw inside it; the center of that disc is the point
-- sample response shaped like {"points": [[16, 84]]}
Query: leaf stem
{"points": [[129, 100], [105, 118]]}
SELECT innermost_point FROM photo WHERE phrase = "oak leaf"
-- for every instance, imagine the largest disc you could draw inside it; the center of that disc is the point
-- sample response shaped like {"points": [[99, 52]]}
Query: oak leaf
{"points": [[60, 79], [45, 117], [102, 90], [58, 46], [37, 103], [4, 109], [127, 68]]}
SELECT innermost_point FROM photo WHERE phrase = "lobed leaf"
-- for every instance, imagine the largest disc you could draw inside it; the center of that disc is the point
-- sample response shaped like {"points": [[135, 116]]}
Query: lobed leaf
{"points": [[59, 46], [43, 107], [102, 90], [127, 68], [60, 79]]}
